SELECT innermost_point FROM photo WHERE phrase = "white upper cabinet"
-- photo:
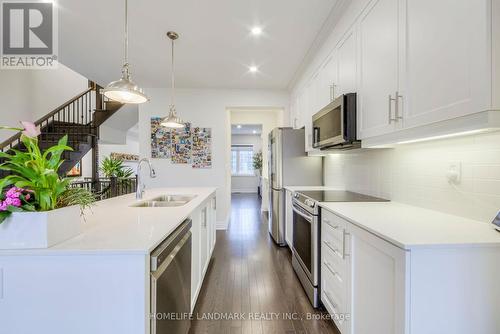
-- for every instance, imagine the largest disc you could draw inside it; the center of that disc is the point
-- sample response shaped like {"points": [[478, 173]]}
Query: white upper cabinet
{"points": [[421, 68], [329, 79], [347, 65], [447, 60], [379, 71]]}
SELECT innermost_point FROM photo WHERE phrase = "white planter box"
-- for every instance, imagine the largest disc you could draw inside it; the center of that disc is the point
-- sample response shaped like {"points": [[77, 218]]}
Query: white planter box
{"points": [[40, 229]]}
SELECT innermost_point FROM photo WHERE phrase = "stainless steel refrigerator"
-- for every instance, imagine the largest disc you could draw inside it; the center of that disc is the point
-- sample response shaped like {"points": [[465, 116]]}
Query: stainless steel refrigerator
{"points": [[289, 165]]}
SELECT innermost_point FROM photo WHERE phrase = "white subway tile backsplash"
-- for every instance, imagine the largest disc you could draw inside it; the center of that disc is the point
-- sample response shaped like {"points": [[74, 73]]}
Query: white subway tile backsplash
{"points": [[417, 174]]}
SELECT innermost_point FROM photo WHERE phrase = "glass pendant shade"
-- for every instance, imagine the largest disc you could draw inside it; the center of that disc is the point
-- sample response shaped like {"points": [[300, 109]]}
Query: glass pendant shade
{"points": [[172, 121]]}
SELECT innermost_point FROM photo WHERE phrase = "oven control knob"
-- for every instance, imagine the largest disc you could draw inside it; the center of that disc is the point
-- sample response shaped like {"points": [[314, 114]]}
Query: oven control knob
{"points": [[310, 203]]}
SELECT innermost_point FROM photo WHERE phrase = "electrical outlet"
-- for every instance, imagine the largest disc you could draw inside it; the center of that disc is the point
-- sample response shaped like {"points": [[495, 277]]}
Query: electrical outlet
{"points": [[454, 173]]}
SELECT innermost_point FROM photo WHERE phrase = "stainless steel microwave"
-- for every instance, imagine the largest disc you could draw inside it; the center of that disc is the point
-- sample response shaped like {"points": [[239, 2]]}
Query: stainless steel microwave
{"points": [[335, 125]]}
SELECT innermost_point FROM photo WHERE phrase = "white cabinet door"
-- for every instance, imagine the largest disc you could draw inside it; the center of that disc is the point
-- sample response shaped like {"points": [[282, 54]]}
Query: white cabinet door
{"points": [[301, 108], [347, 65], [311, 108], [213, 225], [329, 80], [288, 218], [378, 285], [196, 275], [447, 60], [204, 241], [378, 59]]}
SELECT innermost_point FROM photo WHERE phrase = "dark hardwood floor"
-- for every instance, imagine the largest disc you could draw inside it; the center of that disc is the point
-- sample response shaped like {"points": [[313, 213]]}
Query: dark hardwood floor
{"points": [[252, 279]]}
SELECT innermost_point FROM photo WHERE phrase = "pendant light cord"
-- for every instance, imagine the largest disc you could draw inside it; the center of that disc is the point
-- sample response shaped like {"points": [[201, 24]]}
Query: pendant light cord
{"points": [[125, 61], [173, 79]]}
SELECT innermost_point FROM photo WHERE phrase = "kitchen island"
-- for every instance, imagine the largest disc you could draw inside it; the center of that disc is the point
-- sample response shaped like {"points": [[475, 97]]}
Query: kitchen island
{"points": [[99, 281]]}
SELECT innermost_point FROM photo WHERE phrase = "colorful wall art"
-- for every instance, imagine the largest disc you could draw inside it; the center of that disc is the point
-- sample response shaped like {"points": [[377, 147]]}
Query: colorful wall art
{"points": [[124, 156], [189, 145]]}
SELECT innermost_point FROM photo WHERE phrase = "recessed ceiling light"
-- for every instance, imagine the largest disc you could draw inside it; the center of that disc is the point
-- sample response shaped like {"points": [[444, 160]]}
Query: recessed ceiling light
{"points": [[256, 31], [253, 69], [238, 126], [254, 132]]}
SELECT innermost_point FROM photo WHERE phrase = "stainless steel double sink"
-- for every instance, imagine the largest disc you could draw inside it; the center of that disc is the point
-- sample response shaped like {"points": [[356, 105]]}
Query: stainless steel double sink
{"points": [[165, 201]]}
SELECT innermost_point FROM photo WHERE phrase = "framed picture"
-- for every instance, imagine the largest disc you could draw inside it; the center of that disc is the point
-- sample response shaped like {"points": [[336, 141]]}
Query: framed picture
{"points": [[76, 170]]}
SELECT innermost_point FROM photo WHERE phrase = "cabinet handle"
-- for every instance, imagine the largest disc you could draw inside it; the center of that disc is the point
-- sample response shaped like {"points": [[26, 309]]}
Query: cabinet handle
{"points": [[344, 237], [331, 300], [330, 268], [396, 102], [335, 250], [326, 221], [391, 99]]}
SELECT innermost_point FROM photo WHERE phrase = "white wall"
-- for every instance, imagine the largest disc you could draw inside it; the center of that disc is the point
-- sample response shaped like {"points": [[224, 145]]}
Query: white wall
{"points": [[416, 174], [52, 88], [246, 184], [27, 95], [15, 88], [205, 108]]}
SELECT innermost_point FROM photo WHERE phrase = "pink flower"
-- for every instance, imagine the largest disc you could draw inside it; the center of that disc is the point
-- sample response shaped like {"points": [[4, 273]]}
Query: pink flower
{"points": [[27, 197], [14, 192], [3, 206], [30, 129], [12, 201]]}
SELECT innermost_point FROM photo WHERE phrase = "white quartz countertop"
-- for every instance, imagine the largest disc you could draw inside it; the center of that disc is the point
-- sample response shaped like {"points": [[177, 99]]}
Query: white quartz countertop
{"points": [[410, 227], [115, 226], [311, 188]]}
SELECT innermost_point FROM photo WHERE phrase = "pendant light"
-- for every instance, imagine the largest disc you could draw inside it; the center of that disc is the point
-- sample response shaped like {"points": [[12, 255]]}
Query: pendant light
{"points": [[125, 90], [172, 120]]}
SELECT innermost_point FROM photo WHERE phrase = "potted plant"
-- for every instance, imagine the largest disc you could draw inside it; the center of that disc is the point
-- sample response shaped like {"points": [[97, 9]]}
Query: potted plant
{"points": [[112, 167], [257, 163], [38, 208]]}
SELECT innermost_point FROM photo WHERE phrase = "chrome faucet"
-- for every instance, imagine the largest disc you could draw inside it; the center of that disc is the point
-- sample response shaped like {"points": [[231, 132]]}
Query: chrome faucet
{"points": [[140, 184]]}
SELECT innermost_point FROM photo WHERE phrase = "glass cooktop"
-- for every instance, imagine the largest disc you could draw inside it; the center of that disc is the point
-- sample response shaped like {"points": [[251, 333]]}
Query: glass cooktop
{"points": [[339, 196]]}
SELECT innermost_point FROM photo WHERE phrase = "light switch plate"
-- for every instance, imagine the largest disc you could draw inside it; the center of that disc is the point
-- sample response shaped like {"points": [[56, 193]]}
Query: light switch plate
{"points": [[454, 173]]}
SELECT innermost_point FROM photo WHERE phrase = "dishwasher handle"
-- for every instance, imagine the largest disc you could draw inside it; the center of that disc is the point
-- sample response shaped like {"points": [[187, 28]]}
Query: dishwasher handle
{"points": [[162, 252]]}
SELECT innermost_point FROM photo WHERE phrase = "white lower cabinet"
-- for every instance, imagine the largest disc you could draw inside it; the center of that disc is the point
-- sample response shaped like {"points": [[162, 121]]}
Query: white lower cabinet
{"points": [[371, 286], [362, 279], [203, 243]]}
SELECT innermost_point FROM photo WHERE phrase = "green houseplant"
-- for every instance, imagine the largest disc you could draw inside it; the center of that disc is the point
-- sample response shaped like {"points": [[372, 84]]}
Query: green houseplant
{"points": [[257, 162], [112, 167], [35, 192]]}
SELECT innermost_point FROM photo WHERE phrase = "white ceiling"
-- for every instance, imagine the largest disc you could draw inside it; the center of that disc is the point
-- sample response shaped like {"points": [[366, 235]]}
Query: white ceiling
{"points": [[246, 129], [214, 49]]}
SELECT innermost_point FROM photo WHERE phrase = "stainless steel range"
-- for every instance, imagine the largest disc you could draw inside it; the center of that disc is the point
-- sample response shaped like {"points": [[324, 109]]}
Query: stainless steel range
{"points": [[307, 234]]}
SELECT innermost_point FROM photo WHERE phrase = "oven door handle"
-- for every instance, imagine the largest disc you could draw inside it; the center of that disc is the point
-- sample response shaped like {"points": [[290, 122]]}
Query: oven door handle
{"points": [[302, 214]]}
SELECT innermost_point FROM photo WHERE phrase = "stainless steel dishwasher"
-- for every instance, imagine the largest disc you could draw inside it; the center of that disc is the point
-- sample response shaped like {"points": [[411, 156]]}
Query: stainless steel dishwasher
{"points": [[171, 283]]}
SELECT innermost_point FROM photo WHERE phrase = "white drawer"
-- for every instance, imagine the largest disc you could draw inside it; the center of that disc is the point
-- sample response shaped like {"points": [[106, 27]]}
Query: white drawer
{"points": [[333, 220], [333, 297], [333, 232], [333, 262]]}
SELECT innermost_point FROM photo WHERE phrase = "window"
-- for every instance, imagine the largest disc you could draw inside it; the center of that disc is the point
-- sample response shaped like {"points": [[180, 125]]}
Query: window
{"points": [[242, 160]]}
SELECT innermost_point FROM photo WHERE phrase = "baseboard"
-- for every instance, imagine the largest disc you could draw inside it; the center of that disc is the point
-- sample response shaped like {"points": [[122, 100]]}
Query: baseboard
{"points": [[244, 191]]}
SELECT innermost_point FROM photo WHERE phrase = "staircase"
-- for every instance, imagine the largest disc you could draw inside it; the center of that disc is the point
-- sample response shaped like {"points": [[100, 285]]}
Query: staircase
{"points": [[80, 119]]}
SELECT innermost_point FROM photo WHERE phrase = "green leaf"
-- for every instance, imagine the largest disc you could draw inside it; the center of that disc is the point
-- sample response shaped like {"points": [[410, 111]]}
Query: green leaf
{"points": [[4, 215]]}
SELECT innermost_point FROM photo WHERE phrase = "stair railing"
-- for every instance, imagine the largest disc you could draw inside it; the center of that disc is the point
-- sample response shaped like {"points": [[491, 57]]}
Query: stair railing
{"points": [[78, 111]]}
